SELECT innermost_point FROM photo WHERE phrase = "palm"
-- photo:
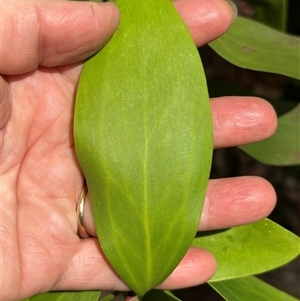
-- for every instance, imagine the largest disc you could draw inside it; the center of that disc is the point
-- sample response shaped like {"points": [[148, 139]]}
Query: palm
{"points": [[42, 174]]}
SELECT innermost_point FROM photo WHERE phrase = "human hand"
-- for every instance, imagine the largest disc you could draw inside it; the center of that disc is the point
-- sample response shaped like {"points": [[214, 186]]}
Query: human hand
{"points": [[43, 44]]}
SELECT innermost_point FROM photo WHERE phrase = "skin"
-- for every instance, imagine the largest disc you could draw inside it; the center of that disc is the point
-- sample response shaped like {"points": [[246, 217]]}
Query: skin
{"points": [[43, 46]]}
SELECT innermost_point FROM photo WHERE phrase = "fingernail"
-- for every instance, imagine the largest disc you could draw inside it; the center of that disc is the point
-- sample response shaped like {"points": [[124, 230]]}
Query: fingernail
{"points": [[234, 9]]}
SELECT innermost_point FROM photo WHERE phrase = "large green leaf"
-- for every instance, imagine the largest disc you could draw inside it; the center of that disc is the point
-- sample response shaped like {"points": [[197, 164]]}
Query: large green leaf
{"points": [[143, 136], [251, 45], [111, 296], [66, 296], [249, 249], [249, 289], [283, 148]]}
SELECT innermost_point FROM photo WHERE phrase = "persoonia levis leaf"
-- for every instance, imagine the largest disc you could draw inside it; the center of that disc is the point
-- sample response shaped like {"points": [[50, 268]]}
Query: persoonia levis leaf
{"points": [[249, 289], [249, 249], [66, 296], [143, 137], [249, 44]]}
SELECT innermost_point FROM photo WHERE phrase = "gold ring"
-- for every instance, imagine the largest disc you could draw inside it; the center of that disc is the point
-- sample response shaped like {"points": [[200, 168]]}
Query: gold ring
{"points": [[79, 212]]}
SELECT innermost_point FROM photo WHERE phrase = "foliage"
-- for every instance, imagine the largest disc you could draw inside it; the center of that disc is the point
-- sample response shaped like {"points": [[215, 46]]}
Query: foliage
{"points": [[249, 289], [242, 48], [153, 129], [234, 248], [247, 250], [272, 12]]}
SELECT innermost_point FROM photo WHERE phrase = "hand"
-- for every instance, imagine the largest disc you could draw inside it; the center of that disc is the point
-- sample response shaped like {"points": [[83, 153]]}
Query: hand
{"points": [[43, 44]]}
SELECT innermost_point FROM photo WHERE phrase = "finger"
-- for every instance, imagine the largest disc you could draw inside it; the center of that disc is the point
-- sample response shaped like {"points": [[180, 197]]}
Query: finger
{"points": [[90, 270], [236, 201], [5, 104], [206, 19], [242, 120], [53, 33]]}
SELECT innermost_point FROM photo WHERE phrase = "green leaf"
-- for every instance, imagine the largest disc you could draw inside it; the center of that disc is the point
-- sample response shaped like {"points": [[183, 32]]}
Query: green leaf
{"points": [[111, 296], [283, 148], [158, 295], [272, 12], [251, 45], [143, 137], [249, 249], [249, 289], [67, 296]]}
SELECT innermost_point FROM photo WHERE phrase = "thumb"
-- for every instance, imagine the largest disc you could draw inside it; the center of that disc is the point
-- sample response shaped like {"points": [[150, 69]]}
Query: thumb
{"points": [[5, 104], [52, 33]]}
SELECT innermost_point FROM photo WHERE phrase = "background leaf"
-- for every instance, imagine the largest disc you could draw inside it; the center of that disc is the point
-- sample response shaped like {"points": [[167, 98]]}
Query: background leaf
{"points": [[143, 137], [113, 296], [249, 289], [283, 148], [249, 249], [251, 45], [272, 12], [67, 296]]}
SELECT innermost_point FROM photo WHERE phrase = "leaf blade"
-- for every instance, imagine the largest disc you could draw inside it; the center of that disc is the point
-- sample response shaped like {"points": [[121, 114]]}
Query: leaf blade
{"points": [[240, 245], [251, 45], [249, 289], [146, 155], [67, 296]]}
